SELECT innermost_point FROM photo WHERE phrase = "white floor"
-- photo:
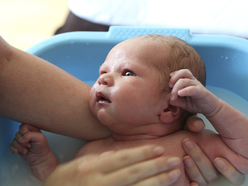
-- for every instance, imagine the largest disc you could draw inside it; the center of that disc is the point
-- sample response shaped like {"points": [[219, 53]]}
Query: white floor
{"points": [[24, 23]]}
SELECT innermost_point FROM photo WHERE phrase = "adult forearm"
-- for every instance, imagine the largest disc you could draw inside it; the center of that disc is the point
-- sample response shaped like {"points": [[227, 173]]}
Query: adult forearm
{"points": [[36, 92]]}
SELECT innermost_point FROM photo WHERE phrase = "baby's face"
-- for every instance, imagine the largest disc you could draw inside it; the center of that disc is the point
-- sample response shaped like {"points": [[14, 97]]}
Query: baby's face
{"points": [[128, 91]]}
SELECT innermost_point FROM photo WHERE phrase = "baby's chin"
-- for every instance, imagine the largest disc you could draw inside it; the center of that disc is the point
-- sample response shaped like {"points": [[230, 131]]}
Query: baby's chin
{"points": [[103, 118]]}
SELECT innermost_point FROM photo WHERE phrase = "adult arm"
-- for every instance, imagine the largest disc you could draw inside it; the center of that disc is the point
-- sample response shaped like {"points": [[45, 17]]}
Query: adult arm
{"points": [[37, 92]]}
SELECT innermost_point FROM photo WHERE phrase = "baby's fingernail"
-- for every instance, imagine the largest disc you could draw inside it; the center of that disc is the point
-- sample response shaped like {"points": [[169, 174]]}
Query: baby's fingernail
{"points": [[24, 151], [188, 144], [16, 151], [220, 163], [20, 139]]}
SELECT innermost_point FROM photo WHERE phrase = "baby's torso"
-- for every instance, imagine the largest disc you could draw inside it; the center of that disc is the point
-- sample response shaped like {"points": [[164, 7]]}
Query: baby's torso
{"points": [[211, 144], [172, 144]]}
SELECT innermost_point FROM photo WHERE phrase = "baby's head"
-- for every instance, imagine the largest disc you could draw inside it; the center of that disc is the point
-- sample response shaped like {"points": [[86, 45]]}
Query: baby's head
{"points": [[133, 87], [174, 54], [177, 54]]}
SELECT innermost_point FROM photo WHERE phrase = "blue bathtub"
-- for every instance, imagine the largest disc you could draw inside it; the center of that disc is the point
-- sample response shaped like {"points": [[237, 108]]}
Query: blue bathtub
{"points": [[81, 54]]}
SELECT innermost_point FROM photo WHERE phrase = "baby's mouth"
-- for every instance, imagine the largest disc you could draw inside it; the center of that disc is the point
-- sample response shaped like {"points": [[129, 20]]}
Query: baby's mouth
{"points": [[101, 98]]}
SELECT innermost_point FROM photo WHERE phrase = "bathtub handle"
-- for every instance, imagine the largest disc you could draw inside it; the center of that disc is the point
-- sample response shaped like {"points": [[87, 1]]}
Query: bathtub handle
{"points": [[122, 33]]}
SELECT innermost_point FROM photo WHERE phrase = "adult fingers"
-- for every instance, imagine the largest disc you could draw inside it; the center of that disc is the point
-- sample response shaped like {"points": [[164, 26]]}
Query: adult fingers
{"points": [[143, 165], [228, 171], [204, 165], [193, 172], [147, 173], [123, 158], [195, 124], [165, 179]]}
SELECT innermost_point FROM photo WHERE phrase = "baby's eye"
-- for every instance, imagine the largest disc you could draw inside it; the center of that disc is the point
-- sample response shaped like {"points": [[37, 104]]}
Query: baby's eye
{"points": [[129, 73], [102, 72]]}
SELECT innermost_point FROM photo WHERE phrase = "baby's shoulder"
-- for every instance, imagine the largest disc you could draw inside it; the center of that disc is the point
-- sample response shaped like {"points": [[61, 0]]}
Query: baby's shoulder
{"points": [[96, 147], [180, 135], [176, 139]]}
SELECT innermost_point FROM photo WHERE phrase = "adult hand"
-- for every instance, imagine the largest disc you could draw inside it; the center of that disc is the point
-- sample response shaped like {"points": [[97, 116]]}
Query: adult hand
{"points": [[199, 168], [195, 124], [137, 166]]}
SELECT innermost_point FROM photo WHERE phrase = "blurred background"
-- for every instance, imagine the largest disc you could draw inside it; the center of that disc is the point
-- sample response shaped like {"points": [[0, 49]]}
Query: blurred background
{"points": [[24, 23]]}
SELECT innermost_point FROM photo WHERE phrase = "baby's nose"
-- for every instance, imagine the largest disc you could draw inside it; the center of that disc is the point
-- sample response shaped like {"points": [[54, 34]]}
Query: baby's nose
{"points": [[105, 79]]}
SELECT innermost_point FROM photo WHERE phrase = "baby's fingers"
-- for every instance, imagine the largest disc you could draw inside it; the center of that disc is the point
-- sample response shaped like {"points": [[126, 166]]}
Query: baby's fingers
{"points": [[13, 149], [31, 137], [24, 128], [16, 148], [180, 74], [183, 88], [19, 137]]}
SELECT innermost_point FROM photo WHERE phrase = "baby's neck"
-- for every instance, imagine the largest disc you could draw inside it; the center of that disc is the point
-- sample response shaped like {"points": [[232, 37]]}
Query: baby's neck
{"points": [[147, 132]]}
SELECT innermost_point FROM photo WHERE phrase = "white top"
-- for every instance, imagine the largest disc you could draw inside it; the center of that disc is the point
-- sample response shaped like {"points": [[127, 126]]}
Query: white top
{"points": [[228, 17]]}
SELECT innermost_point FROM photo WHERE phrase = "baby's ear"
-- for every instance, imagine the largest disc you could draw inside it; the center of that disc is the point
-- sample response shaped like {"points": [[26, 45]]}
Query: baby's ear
{"points": [[170, 114]]}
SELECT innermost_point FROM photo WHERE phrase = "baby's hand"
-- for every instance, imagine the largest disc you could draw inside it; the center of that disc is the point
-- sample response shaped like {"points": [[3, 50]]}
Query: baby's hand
{"points": [[30, 143], [189, 94]]}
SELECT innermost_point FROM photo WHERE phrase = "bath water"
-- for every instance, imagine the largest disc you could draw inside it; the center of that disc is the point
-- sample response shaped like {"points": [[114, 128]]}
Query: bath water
{"points": [[15, 172]]}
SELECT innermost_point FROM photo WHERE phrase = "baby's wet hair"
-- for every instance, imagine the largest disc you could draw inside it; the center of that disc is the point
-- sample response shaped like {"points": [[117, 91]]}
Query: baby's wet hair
{"points": [[179, 55]]}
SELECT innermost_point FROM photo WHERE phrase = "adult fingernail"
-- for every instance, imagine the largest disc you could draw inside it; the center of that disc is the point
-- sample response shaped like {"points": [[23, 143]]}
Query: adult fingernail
{"points": [[158, 150], [188, 162], [188, 144], [174, 161], [173, 175], [172, 97], [220, 163], [194, 184], [104, 154]]}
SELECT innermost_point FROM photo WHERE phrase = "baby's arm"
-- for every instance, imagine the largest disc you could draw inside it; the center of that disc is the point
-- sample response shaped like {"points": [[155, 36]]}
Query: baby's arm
{"points": [[32, 145], [189, 94]]}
